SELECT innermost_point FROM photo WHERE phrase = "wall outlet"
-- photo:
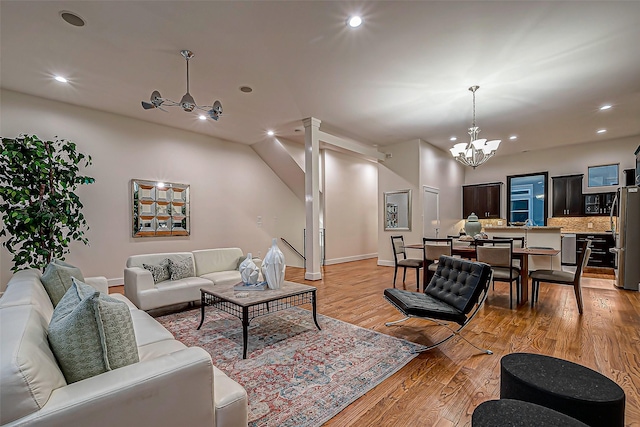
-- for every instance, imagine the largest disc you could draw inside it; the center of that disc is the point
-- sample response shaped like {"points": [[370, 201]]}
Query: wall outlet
{"points": [[590, 225], [259, 221], [499, 222]]}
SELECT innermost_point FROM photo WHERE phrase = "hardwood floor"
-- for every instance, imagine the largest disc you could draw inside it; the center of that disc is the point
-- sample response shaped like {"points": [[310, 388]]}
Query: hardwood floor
{"points": [[443, 386]]}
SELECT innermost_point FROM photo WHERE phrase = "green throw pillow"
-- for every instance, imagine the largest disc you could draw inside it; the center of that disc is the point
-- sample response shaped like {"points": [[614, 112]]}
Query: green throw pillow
{"points": [[181, 269], [159, 272], [91, 333], [56, 279]]}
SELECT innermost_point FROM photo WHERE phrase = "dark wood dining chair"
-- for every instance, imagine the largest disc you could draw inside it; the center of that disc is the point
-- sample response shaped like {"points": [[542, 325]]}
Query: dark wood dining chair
{"points": [[498, 253], [400, 260], [562, 277]]}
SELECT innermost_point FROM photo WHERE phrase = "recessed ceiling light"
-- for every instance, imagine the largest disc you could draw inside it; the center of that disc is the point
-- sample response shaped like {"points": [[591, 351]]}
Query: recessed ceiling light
{"points": [[602, 130], [513, 137], [246, 89], [270, 133], [453, 138], [72, 18], [61, 79], [605, 107], [202, 117], [354, 21]]}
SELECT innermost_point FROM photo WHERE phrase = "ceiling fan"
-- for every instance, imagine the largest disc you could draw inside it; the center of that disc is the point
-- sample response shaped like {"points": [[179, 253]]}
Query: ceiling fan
{"points": [[187, 103]]}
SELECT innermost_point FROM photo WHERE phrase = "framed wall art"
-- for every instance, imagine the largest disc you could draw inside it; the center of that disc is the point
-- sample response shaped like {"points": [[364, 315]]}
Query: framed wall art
{"points": [[160, 208]]}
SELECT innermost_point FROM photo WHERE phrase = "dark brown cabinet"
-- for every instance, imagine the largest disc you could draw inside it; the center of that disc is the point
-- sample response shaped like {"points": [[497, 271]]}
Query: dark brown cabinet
{"points": [[481, 199], [600, 245], [599, 204], [567, 195]]}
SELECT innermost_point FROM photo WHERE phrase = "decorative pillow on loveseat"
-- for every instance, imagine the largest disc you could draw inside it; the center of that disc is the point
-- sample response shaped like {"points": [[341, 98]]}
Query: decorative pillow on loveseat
{"points": [[181, 269], [160, 272], [91, 333], [56, 279]]}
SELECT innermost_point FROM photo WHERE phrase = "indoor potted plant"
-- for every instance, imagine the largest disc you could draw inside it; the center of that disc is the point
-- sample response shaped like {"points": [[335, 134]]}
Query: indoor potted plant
{"points": [[39, 207]]}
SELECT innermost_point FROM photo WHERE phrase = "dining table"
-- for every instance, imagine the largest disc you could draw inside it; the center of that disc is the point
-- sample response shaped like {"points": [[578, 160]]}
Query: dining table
{"points": [[521, 254]]}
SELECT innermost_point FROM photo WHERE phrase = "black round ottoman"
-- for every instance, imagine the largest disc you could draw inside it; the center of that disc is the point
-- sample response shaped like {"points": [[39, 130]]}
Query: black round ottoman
{"points": [[509, 412], [564, 386]]}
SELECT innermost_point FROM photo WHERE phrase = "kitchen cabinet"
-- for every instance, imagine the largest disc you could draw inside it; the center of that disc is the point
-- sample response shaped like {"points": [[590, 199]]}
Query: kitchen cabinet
{"points": [[481, 199], [567, 195], [600, 245], [599, 204]]}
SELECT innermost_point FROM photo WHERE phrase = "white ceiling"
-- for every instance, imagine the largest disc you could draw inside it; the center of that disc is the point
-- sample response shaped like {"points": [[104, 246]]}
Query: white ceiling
{"points": [[544, 68]]}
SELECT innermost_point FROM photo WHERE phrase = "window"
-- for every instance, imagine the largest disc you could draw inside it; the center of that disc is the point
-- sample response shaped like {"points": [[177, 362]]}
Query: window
{"points": [[602, 176], [527, 198]]}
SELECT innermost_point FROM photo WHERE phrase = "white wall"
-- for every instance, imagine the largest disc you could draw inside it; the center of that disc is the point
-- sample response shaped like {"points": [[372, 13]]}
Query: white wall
{"points": [[230, 185], [350, 207], [439, 170], [414, 164], [567, 160]]}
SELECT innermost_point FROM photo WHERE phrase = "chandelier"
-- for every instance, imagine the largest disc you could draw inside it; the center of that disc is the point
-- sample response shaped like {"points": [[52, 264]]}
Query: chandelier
{"points": [[477, 151], [187, 103]]}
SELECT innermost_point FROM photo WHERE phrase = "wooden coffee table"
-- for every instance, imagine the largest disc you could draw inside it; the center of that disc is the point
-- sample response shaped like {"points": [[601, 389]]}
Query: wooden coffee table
{"points": [[257, 303]]}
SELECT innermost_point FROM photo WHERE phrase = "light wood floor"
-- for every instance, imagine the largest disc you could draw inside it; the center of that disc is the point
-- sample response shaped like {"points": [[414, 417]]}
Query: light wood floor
{"points": [[443, 386]]}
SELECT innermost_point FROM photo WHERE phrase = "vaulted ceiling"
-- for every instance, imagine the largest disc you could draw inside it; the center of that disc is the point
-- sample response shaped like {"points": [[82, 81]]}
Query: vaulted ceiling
{"points": [[544, 68]]}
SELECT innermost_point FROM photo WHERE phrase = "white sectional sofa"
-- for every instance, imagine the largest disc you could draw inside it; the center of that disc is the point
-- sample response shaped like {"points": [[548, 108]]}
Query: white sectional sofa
{"points": [[211, 267], [171, 385]]}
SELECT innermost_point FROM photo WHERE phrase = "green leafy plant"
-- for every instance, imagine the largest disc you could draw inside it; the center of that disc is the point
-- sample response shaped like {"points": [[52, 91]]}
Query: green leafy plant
{"points": [[38, 205]]}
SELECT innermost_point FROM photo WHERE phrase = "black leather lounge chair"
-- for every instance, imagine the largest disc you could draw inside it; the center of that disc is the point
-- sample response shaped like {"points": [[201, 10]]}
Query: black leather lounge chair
{"points": [[455, 293]]}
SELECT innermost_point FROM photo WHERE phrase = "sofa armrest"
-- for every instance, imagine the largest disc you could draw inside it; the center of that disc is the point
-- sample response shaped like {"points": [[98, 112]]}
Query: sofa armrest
{"points": [[136, 281], [100, 283], [174, 389]]}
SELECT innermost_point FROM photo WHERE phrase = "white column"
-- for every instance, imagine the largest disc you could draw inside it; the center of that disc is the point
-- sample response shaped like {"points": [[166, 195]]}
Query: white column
{"points": [[312, 197]]}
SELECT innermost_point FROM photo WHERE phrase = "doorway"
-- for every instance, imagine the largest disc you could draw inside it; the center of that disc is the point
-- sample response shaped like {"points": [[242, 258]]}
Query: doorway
{"points": [[430, 212]]}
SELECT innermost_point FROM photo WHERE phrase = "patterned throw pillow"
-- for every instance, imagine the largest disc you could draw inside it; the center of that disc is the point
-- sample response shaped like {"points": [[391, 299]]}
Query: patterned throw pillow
{"points": [[56, 279], [181, 269], [159, 272], [91, 333]]}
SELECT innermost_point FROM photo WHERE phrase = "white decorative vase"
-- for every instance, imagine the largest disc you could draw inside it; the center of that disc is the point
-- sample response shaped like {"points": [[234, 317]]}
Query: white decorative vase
{"points": [[273, 266], [249, 272]]}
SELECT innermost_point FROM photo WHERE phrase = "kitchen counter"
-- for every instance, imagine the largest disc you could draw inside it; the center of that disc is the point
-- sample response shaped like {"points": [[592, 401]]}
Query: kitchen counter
{"points": [[517, 228], [599, 233]]}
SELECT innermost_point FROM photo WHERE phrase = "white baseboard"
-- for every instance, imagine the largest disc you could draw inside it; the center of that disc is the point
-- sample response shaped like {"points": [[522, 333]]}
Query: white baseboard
{"points": [[115, 282], [349, 259], [385, 263], [313, 276]]}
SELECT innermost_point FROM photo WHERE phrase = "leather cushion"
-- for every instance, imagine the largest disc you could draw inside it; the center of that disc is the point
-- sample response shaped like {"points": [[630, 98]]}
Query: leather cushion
{"points": [[422, 305], [552, 276], [458, 282]]}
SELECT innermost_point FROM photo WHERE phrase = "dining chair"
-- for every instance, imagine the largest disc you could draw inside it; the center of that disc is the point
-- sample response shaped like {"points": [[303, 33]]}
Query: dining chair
{"points": [[498, 253], [562, 277], [518, 242], [433, 249], [400, 260]]}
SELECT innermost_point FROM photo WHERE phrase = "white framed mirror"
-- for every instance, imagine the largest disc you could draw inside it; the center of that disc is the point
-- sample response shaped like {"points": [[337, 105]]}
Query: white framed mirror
{"points": [[397, 210]]}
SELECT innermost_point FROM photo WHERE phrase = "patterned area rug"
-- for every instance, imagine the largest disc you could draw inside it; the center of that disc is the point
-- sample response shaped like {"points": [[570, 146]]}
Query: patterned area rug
{"points": [[294, 374]]}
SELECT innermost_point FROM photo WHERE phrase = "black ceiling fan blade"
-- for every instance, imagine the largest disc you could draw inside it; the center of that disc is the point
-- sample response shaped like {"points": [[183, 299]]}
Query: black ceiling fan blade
{"points": [[147, 105]]}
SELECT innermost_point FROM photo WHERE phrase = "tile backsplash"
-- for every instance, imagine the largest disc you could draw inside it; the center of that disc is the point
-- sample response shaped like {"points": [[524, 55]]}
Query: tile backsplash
{"points": [[580, 224]]}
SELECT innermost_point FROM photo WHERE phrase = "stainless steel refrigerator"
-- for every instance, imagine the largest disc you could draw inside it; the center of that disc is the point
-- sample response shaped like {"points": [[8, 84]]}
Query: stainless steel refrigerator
{"points": [[627, 234]]}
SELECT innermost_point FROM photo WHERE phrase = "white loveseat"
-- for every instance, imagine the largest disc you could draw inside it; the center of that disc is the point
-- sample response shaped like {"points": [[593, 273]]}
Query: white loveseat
{"points": [[171, 385], [212, 266]]}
